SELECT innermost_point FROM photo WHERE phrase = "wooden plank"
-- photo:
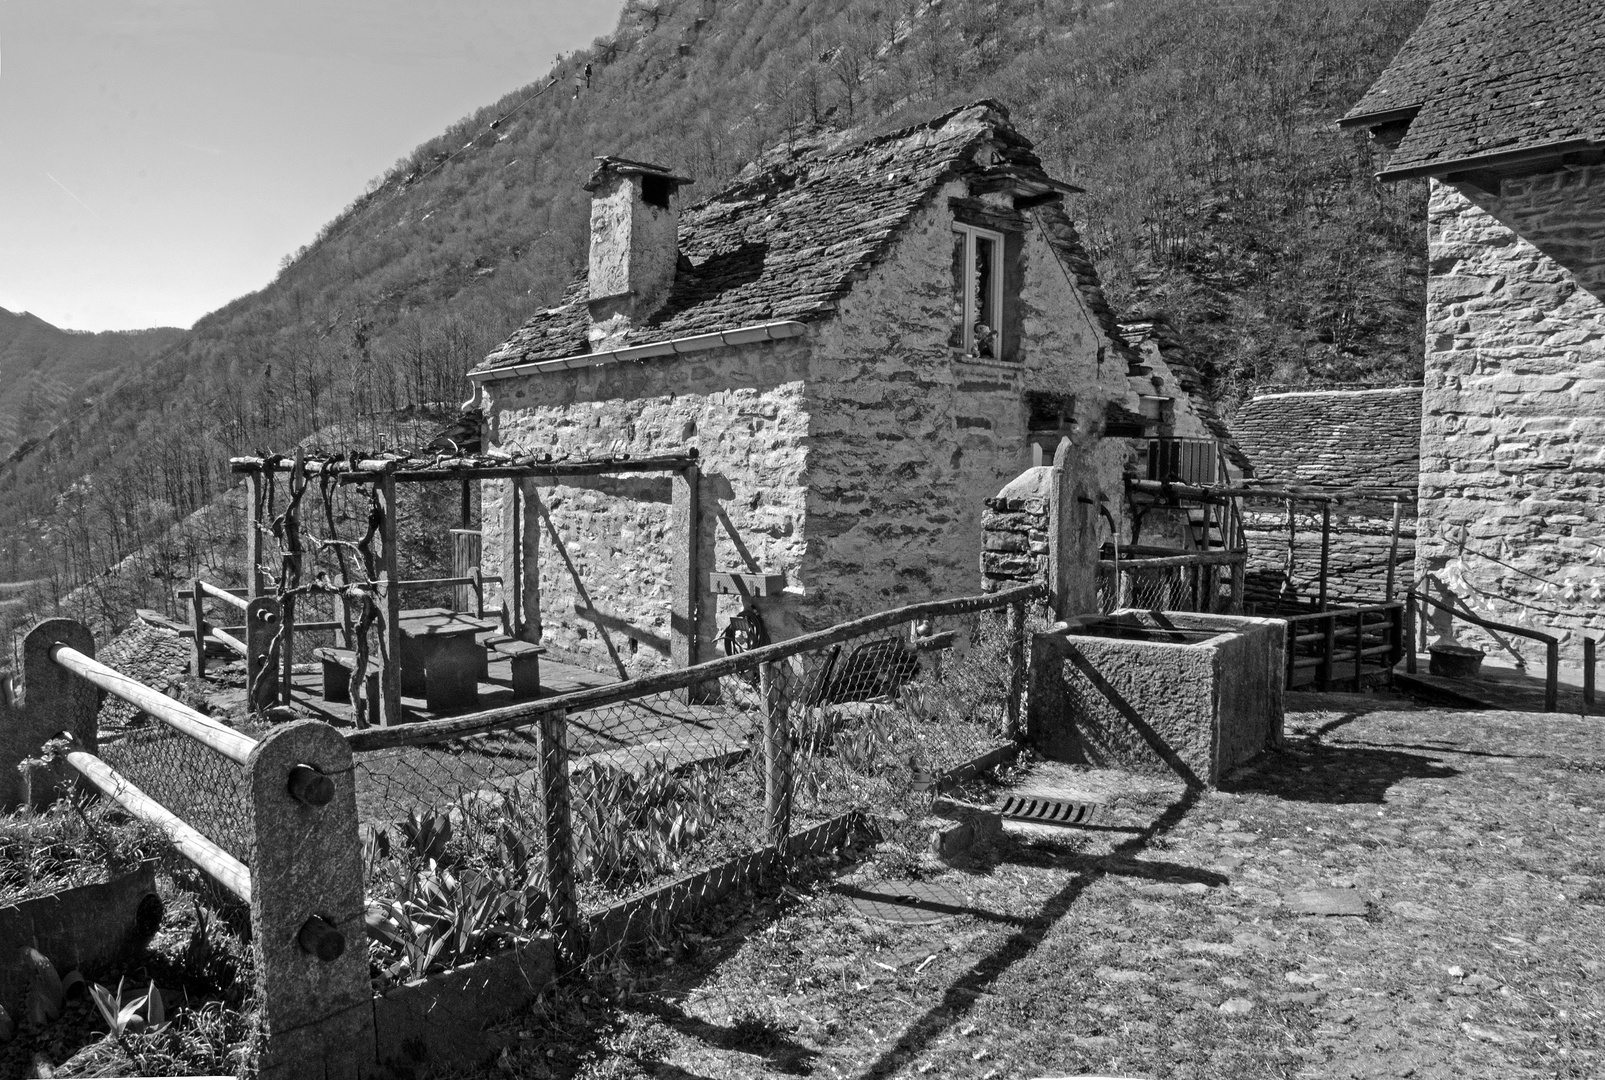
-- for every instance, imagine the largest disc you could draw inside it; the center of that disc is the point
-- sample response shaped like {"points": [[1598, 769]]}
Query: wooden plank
{"points": [[731, 583]]}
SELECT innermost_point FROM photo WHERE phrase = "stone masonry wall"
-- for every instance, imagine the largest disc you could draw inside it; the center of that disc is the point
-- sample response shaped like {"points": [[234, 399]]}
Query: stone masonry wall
{"points": [[741, 407], [910, 438], [1014, 545], [1512, 513]]}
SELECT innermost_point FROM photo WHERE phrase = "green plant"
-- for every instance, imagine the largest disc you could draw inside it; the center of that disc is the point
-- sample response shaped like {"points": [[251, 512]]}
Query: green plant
{"points": [[628, 826], [122, 1014]]}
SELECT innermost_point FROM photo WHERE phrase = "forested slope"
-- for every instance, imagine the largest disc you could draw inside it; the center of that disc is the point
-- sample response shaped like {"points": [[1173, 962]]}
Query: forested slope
{"points": [[1220, 194]]}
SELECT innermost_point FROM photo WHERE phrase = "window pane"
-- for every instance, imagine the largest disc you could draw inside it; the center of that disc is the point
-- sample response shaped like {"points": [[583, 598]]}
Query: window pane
{"points": [[985, 268], [955, 336]]}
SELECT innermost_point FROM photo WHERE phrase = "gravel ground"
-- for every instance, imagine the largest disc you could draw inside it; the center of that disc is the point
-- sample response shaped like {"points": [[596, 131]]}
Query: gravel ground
{"points": [[1177, 940]]}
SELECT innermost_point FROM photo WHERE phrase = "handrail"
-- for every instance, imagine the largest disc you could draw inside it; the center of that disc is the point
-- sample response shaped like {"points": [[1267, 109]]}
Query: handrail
{"points": [[175, 714], [1193, 558], [1550, 642], [1349, 612], [444, 581], [223, 594], [378, 738], [229, 871]]}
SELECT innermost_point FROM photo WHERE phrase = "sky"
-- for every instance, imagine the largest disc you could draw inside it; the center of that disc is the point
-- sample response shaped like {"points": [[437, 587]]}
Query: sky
{"points": [[158, 158]]}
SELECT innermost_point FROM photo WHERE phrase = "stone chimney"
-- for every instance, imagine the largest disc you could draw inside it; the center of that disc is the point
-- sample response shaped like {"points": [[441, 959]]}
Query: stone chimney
{"points": [[635, 217]]}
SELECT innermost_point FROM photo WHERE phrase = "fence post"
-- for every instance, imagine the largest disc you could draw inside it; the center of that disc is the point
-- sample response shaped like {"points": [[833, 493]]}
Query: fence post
{"points": [[1410, 632], [53, 700], [1239, 574], [1589, 644], [1016, 669], [777, 758], [1328, 646], [308, 933], [1551, 676], [557, 840], [1359, 650], [262, 619], [197, 623]]}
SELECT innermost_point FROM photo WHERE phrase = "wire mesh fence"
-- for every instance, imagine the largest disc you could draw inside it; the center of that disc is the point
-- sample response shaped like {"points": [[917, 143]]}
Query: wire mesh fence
{"points": [[1164, 588], [576, 806], [192, 780]]}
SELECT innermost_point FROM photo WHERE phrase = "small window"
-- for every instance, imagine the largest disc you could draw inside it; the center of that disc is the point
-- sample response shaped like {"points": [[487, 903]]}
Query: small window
{"points": [[978, 307]]}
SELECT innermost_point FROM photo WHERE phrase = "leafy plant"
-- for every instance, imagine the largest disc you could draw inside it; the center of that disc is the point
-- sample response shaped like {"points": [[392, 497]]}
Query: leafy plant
{"points": [[122, 1014]]}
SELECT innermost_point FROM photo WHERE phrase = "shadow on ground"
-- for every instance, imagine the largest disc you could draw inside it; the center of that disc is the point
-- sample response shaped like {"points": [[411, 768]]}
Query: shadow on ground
{"points": [[1307, 770]]}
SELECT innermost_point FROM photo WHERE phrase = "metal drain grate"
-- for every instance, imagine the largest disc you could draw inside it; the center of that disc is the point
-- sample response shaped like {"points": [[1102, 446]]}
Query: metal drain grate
{"points": [[1048, 811]]}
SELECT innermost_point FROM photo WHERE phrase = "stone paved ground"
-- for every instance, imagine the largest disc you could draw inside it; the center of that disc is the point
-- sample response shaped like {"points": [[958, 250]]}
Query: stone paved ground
{"points": [[1171, 945]]}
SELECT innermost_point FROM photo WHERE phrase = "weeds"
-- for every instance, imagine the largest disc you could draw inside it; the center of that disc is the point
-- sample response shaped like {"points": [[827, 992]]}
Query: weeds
{"points": [[75, 841]]}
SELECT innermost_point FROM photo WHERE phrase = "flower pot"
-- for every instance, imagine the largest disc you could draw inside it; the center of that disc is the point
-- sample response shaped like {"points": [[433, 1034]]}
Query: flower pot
{"points": [[1455, 661]]}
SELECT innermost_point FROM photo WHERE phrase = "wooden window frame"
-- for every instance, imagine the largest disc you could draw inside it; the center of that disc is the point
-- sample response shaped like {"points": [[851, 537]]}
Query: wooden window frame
{"points": [[971, 234]]}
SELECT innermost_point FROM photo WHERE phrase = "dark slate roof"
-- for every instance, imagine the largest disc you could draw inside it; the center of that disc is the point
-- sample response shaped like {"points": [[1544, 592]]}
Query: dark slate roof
{"points": [[1334, 439], [1481, 77], [792, 234]]}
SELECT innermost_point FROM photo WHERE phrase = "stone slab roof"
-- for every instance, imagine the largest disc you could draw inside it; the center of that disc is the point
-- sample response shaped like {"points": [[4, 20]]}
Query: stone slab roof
{"points": [[1334, 439], [789, 238], [1481, 77]]}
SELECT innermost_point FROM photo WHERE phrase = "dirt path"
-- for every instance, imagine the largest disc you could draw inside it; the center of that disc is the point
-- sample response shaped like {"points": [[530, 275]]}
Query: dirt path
{"points": [[1169, 944]]}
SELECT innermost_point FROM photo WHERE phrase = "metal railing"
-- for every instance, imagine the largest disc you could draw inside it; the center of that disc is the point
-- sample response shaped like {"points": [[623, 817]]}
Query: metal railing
{"points": [[1550, 642], [1326, 648]]}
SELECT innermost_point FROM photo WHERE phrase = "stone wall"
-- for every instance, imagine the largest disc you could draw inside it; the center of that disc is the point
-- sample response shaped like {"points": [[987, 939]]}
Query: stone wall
{"points": [[1512, 513], [740, 407], [1014, 543]]}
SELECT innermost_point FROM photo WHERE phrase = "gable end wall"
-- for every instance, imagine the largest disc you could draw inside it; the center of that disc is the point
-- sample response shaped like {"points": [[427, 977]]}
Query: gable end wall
{"points": [[1513, 415]]}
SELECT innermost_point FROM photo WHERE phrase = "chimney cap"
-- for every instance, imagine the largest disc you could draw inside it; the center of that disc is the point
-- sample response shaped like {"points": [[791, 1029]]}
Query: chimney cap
{"points": [[608, 167]]}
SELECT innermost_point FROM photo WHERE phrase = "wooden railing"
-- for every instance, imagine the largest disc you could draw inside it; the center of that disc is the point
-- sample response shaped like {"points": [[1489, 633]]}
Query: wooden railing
{"points": [[1332, 647], [1550, 642]]}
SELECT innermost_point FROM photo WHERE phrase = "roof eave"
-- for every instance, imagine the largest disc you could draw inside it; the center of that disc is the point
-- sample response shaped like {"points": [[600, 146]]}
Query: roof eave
{"points": [[1380, 117], [1501, 159], [776, 330]]}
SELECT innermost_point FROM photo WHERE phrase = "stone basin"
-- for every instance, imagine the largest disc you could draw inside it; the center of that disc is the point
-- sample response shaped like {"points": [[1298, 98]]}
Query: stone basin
{"points": [[1158, 691]]}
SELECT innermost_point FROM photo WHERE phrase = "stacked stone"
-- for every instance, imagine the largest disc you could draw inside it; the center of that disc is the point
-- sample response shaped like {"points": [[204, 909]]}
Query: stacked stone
{"points": [[1014, 541]]}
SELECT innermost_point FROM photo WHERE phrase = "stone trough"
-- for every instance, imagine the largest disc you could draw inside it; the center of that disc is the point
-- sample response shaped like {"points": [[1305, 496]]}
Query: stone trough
{"points": [[1158, 691]]}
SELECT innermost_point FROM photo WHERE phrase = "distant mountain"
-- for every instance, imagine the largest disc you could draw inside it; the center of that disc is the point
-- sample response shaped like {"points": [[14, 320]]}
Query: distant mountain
{"points": [[45, 370], [1220, 195]]}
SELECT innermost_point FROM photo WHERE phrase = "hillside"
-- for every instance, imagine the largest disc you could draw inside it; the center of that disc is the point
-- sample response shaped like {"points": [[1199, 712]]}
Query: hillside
{"points": [[44, 370], [1221, 195]]}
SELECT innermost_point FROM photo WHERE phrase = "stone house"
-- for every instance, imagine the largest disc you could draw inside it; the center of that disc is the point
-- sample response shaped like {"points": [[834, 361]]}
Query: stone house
{"points": [[860, 341], [1500, 105], [1360, 446]]}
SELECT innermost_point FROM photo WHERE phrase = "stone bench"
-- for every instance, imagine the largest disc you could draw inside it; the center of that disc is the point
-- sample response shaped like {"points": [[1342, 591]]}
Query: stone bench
{"points": [[525, 660], [338, 664]]}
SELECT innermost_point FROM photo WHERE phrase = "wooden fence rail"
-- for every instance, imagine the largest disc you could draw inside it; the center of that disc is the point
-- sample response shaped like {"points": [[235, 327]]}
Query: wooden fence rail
{"points": [[1324, 646]]}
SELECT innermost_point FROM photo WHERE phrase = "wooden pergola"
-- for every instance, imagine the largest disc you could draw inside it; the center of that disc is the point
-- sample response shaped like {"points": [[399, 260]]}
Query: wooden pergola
{"points": [[520, 610]]}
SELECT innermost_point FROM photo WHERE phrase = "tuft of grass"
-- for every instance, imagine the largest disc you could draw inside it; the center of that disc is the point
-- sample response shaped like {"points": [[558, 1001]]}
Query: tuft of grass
{"points": [[75, 841]]}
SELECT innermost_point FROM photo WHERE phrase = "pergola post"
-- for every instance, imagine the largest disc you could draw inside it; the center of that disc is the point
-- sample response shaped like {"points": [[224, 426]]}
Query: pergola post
{"points": [[389, 605], [253, 534], [520, 559], [691, 623]]}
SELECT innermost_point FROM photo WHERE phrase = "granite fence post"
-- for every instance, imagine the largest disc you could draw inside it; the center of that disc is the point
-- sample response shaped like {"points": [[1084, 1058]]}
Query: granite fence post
{"points": [[307, 915], [54, 700]]}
